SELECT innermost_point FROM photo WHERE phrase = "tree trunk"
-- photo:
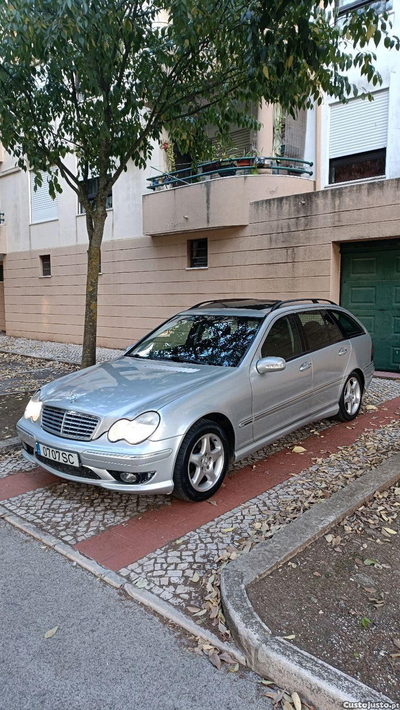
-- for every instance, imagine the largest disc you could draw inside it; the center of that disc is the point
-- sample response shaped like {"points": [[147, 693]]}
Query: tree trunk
{"points": [[95, 225]]}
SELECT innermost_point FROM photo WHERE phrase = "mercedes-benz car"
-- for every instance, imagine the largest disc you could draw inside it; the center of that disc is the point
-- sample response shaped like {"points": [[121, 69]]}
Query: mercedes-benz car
{"points": [[209, 386]]}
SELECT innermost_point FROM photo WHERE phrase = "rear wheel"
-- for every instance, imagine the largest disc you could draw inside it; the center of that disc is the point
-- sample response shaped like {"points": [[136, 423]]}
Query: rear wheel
{"points": [[202, 462], [350, 401]]}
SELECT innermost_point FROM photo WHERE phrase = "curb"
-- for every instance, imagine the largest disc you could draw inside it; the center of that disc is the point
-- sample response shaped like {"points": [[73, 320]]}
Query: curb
{"points": [[144, 597], [272, 657]]}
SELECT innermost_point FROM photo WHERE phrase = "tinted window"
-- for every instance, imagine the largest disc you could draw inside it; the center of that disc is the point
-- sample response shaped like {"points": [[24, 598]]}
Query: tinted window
{"points": [[334, 333], [347, 324], [283, 340], [202, 339], [315, 330]]}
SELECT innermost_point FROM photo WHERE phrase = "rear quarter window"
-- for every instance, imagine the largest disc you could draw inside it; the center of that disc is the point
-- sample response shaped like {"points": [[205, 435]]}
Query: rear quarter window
{"points": [[349, 327]]}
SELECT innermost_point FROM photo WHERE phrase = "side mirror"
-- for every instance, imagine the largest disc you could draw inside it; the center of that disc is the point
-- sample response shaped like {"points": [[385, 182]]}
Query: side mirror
{"points": [[270, 364]]}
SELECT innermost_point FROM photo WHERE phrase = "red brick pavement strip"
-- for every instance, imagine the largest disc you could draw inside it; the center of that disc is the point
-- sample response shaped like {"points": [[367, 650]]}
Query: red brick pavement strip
{"points": [[128, 542], [25, 481]]}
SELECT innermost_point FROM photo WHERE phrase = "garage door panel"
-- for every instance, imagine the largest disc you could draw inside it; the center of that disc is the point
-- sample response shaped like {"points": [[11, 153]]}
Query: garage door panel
{"points": [[360, 296], [363, 266]]}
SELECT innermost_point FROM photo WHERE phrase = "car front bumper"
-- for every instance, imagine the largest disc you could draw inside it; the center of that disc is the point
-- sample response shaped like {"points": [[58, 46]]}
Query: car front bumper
{"points": [[152, 459]]}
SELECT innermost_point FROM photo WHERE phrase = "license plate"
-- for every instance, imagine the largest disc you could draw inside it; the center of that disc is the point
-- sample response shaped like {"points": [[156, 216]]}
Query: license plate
{"points": [[56, 455]]}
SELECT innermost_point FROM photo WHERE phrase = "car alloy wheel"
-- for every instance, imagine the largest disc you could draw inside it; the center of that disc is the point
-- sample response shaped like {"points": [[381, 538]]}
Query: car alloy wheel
{"points": [[352, 396], [206, 462], [350, 401], [202, 461]]}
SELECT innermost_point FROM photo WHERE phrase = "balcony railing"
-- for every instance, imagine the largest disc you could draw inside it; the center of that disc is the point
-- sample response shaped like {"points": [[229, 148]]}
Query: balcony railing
{"points": [[228, 167]]}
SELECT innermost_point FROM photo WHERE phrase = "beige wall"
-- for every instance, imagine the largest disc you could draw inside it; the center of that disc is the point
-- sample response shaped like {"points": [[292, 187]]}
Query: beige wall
{"points": [[288, 249], [2, 310]]}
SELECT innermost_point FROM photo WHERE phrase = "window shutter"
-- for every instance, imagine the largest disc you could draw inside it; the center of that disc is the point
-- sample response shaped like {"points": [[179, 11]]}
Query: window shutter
{"points": [[359, 126], [241, 140], [43, 208]]}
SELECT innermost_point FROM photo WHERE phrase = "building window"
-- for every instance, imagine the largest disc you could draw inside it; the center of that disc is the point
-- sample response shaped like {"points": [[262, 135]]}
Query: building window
{"points": [[45, 261], [198, 253], [43, 207], [93, 188], [344, 6], [358, 133], [100, 271], [358, 167], [1, 272]]}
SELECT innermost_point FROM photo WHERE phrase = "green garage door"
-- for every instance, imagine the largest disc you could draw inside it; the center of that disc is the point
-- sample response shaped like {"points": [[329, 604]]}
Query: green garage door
{"points": [[370, 288]]}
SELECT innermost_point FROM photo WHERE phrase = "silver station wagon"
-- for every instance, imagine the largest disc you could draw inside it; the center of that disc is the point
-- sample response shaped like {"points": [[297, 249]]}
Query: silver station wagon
{"points": [[209, 386]]}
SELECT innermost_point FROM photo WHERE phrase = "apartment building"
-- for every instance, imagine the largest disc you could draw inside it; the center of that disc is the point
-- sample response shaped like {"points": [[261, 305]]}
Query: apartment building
{"points": [[314, 211]]}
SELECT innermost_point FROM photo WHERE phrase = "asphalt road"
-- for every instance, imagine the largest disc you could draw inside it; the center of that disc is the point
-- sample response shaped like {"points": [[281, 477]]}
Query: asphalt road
{"points": [[108, 653]]}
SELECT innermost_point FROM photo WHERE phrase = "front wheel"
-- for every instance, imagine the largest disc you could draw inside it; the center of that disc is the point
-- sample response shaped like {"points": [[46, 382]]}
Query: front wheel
{"points": [[202, 462], [350, 401]]}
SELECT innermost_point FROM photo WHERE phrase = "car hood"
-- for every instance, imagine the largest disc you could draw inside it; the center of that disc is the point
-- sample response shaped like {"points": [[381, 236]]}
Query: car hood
{"points": [[128, 386]]}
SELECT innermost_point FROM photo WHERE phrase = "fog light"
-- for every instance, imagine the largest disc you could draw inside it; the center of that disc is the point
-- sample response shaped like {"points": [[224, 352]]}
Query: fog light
{"points": [[127, 477]]}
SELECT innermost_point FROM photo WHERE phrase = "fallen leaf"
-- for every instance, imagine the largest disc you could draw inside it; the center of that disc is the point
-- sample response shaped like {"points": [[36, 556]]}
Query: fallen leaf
{"points": [[296, 701], [214, 659], [365, 622], [233, 669], [227, 658], [193, 609], [211, 502], [371, 407], [299, 449], [51, 632], [290, 637], [195, 577], [396, 642], [389, 531], [368, 562], [225, 530]]}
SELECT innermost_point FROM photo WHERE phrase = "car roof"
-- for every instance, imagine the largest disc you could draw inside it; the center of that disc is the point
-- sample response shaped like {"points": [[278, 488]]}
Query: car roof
{"points": [[255, 306]]}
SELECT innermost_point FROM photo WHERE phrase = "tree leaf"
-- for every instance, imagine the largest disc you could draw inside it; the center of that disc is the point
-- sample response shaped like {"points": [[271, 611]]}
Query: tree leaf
{"points": [[215, 660], [51, 632]]}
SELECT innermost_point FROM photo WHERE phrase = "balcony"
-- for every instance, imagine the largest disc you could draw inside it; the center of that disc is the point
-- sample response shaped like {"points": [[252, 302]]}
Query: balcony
{"points": [[219, 193]]}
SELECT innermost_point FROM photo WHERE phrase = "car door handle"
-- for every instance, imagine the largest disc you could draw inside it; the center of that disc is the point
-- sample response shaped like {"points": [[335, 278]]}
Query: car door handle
{"points": [[305, 366], [342, 351]]}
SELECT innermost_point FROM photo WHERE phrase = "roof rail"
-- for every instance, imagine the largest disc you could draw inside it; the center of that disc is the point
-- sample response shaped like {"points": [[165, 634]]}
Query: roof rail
{"points": [[278, 304], [221, 301]]}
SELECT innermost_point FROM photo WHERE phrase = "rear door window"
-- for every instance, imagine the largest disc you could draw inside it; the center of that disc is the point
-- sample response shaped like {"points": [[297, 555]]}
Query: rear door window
{"points": [[334, 332], [314, 329]]}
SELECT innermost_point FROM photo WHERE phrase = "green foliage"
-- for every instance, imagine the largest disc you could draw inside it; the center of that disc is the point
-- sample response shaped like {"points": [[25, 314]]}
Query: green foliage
{"points": [[101, 78]]}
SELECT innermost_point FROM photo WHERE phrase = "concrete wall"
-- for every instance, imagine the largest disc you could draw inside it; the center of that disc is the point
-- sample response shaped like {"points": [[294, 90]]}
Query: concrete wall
{"points": [[290, 248], [2, 309]]}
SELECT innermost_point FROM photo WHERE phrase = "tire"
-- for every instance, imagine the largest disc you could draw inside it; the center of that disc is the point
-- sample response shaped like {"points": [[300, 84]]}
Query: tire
{"points": [[351, 398], [202, 462]]}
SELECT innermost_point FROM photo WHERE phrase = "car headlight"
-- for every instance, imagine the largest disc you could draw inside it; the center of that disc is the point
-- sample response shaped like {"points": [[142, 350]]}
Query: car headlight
{"points": [[33, 408], [134, 431]]}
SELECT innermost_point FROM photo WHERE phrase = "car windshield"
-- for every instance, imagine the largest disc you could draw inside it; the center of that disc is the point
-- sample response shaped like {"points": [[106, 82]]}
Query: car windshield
{"points": [[201, 339]]}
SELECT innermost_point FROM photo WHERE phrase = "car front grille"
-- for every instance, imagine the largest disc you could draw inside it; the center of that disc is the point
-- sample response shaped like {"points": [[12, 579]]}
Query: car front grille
{"points": [[68, 424], [78, 471]]}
